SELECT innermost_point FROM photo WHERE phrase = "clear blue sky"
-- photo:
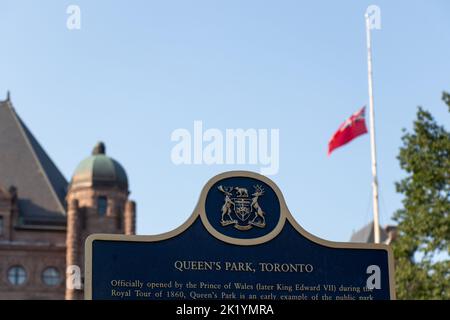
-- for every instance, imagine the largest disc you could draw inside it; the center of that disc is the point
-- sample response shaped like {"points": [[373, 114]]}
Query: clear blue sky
{"points": [[137, 70]]}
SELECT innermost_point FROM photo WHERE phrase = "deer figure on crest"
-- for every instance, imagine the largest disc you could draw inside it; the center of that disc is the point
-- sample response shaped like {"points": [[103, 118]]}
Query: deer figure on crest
{"points": [[259, 213]]}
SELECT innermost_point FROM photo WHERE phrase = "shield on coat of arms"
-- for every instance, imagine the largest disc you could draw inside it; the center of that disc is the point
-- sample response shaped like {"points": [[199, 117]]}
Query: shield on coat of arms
{"points": [[242, 208]]}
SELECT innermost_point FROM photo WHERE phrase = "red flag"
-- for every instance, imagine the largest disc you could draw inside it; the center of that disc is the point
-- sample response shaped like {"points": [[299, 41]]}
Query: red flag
{"points": [[349, 130]]}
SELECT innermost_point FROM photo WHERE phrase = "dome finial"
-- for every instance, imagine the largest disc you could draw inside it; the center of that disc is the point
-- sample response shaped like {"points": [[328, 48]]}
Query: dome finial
{"points": [[99, 148]]}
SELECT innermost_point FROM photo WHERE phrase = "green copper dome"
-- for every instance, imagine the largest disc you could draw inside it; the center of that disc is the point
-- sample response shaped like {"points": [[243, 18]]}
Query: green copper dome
{"points": [[99, 170]]}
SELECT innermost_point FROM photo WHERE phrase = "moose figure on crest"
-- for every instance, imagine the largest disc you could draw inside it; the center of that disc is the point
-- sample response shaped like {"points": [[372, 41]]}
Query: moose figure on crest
{"points": [[226, 208]]}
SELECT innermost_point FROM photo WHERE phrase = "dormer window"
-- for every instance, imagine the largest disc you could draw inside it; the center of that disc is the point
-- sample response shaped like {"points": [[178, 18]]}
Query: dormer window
{"points": [[102, 205]]}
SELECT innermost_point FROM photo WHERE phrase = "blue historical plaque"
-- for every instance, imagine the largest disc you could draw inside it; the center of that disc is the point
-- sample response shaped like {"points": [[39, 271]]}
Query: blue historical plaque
{"points": [[241, 242]]}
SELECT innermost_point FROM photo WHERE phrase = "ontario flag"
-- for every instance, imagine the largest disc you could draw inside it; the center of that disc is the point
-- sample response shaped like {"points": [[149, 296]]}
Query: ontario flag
{"points": [[352, 127]]}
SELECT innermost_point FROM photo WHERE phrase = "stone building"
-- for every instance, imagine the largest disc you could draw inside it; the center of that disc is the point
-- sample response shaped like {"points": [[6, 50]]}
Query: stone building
{"points": [[44, 220], [388, 234]]}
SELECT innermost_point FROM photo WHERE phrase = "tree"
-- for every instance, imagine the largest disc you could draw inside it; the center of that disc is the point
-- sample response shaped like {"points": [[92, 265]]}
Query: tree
{"points": [[422, 249]]}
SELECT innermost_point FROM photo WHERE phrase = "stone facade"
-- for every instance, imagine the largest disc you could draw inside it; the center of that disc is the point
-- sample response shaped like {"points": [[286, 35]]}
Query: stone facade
{"points": [[35, 258], [83, 219], [37, 249], [31, 249], [44, 221]]}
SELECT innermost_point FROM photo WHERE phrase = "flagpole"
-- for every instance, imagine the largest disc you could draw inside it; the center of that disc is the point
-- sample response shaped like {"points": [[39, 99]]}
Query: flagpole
{"points": [[376, 219]]}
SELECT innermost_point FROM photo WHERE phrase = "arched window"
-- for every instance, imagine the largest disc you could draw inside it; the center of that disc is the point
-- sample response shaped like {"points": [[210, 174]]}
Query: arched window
{"points": [[51, 276], [17, 275], [119, 216], [102, 205]]}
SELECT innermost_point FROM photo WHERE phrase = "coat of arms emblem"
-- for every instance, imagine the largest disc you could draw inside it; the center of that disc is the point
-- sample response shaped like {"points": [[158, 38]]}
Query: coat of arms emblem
{"points": [[241, 209]]}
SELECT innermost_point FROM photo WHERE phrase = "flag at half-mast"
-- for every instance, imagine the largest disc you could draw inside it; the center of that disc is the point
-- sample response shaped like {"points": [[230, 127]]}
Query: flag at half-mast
{"points": [[352, 127]]}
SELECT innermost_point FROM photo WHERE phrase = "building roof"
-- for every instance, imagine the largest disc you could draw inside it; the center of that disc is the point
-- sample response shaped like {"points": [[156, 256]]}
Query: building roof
{"points": [[99, 170], [24, 164], [366, 234]]}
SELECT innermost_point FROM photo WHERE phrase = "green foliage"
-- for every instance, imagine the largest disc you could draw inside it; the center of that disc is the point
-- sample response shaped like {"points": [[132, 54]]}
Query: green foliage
{"points": [[422, 249]]}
